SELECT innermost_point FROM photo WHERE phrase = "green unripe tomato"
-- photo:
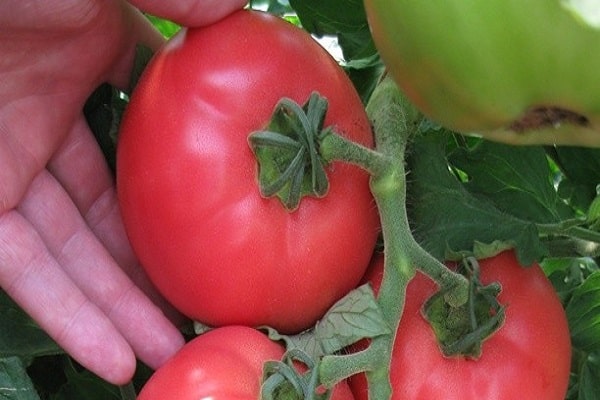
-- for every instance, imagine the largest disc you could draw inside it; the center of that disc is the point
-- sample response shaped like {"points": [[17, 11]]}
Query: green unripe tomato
{"points": [[520, 72]]}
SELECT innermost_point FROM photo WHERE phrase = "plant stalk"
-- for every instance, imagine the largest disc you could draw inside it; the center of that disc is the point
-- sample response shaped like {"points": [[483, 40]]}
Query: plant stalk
{"points": [[394, 121]]}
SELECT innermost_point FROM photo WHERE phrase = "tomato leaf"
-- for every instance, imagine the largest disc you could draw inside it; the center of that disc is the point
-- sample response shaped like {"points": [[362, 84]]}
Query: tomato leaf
{"points": [[583, 313], [354, 317], [15, 384], [448, 219], [365, 76], [581, 174], [345, 19], [515, 179], [20, 335]]}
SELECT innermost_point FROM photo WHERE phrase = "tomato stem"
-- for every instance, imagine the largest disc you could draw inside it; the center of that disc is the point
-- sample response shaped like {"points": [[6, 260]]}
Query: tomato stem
{"points": [[334, 368], [395, 121], [335, 147], [570, 228]]}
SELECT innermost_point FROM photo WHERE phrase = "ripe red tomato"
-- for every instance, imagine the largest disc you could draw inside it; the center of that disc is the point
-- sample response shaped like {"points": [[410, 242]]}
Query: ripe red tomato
{"points": [[528, 358], [222, 364], [187, 178]]}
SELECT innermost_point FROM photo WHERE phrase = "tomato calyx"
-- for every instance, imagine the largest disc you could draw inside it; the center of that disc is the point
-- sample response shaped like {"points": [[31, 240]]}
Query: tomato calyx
{"points": [[461, 331], [283, 380], [290, 165]]}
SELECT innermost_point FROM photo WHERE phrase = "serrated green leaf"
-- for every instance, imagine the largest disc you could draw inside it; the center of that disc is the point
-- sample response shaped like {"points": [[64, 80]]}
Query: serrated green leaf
{"points": [[356, 316], [581, 170], [446, 216], [15, 384], [20, 335], [583, 313], [516, 179]]}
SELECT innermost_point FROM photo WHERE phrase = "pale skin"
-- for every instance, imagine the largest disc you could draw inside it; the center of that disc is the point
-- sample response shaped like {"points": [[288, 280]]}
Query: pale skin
{"points": [[64, 254]]}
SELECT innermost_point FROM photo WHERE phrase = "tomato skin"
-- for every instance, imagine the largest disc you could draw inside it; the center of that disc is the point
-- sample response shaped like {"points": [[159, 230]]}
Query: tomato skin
{"points": [[187, 178], [528, 358], [223, 364], [463, 68]]}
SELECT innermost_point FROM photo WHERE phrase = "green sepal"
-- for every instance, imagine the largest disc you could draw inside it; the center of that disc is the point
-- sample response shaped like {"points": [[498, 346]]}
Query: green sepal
{"points": [[289, 164], [461, 331], [285, 380]]}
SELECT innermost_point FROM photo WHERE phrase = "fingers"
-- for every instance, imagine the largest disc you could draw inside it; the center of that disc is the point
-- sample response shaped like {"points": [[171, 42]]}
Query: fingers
{"points": [[80, 162], [31, 276], [190, 12], [81, 169], [92, 269]]}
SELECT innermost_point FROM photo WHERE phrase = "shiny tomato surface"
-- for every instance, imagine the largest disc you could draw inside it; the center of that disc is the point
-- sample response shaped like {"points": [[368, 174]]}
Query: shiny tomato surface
{"points": [[187, 178]]}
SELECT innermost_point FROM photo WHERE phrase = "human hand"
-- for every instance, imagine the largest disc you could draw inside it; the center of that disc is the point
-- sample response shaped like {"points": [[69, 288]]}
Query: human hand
{"points": [[64, 255]]}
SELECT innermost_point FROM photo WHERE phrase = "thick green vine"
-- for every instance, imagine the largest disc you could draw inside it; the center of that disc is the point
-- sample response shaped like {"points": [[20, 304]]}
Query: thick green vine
{"points": [[394, 122]]}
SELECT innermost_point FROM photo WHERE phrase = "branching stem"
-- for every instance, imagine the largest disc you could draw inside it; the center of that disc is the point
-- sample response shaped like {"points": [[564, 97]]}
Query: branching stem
{"points": [[394, 121], [570, 228]]}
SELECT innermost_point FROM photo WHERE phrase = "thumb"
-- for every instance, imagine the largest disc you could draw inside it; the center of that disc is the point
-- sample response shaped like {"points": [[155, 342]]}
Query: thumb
{"points": [[190, 12]]}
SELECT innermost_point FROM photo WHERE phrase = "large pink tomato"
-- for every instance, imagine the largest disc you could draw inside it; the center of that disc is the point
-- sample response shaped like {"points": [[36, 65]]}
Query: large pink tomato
{"points": [[187, 178]]}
